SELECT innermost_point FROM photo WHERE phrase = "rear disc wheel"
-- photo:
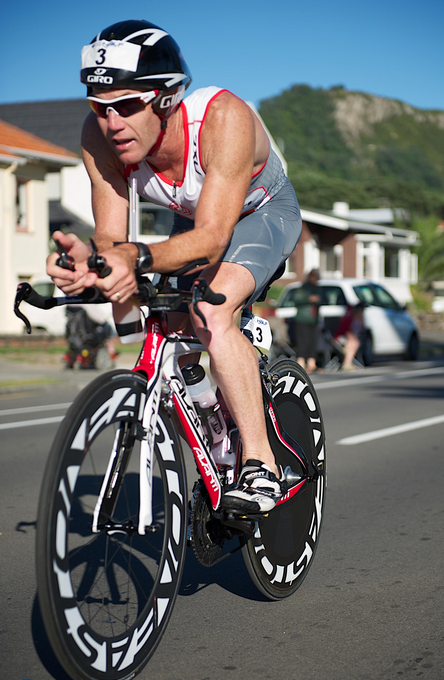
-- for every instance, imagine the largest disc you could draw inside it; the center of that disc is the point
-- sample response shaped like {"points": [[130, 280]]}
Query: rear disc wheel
{"points": [[281, 550]]}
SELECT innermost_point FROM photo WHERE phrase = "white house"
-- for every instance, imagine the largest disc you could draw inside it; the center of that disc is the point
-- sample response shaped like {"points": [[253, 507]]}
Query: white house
{"points": [[25, 161]]}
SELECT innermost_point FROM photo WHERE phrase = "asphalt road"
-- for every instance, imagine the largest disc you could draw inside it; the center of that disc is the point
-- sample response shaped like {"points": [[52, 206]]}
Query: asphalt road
{"points": [[371, 607]]}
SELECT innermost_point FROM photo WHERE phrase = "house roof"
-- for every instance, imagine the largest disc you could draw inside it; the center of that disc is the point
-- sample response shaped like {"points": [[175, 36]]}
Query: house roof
{"points": [[358, 227], [59, 121], [16, 145]]}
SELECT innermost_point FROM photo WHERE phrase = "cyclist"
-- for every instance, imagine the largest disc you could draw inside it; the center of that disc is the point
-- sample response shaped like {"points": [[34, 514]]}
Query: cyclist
{"points": [[208, 158]]}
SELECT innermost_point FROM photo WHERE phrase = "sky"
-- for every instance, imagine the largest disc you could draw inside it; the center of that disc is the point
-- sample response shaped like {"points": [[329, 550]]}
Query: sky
{"points": [[257, 49]]}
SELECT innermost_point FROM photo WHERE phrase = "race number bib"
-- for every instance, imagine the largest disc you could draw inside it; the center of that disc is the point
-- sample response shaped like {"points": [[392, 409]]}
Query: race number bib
{"points": [[119, 54], [260, 328], [111, 54]]}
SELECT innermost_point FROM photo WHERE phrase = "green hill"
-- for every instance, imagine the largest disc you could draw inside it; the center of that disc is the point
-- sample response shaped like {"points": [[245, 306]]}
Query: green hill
{"points": [[367, 150]]}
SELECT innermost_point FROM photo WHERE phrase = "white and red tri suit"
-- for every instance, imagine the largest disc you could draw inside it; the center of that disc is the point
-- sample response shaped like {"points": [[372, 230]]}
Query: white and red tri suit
{"points": [[182, 197]]}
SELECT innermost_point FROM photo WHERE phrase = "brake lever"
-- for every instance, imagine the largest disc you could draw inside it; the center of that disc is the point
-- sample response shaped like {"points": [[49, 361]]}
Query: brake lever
{"points": [[202, 291], [97, 263], [22, 294], [197, 296], [65, 261]]}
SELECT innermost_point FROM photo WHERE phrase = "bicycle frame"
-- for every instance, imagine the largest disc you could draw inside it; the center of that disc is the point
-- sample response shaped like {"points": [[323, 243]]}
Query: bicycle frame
{"points": [[105, 592], [159, 360]]}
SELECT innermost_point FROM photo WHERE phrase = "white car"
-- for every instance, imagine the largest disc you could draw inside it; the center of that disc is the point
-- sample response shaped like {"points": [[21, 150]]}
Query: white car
{"points": [[390, 330], [52, 321]]}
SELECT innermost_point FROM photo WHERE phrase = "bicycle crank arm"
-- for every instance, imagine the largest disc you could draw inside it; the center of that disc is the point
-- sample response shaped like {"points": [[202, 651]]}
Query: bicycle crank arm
{"points": [[242, 524]]}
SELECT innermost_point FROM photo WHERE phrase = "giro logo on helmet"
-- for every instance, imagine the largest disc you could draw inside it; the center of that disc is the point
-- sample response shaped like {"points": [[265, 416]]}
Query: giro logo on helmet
{"points": [[104, 80], [170, 100]]}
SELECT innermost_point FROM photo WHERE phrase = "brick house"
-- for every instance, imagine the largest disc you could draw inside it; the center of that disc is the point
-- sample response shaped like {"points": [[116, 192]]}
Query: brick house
{"points": [[345, 243]]}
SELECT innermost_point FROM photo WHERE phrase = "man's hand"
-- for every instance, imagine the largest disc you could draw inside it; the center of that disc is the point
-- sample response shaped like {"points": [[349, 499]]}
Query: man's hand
{"points": [[121, 284], [71, 282]]}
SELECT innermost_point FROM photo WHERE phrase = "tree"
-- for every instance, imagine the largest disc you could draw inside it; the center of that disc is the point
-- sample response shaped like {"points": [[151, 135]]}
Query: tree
{"points": [[431, 249]]}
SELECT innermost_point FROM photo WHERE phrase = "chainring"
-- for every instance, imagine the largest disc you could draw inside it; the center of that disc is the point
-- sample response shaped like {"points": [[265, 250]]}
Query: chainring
{"points": [[207, 538]]}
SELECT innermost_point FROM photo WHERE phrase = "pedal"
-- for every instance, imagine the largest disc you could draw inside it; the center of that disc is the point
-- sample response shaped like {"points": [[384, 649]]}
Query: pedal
{"points": [[241, 523], [254, 517]]}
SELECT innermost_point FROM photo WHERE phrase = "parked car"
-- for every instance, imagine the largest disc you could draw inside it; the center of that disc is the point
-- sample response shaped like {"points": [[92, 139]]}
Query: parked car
{"points": [[390, 330]]}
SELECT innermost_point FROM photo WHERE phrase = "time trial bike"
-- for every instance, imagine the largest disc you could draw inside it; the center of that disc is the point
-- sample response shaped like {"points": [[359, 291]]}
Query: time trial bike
{"points": [[114, 518]]}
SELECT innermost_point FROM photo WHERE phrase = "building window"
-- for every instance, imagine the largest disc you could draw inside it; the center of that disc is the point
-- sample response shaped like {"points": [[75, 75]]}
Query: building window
{"points": [[311, 256], [371, 260], [290, 265], [155, 221], [391, 262], [21, 205], [332, 261]]}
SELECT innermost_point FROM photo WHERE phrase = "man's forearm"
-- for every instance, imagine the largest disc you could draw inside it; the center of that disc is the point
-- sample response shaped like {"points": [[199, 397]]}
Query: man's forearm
{"points": [[185, 248]]}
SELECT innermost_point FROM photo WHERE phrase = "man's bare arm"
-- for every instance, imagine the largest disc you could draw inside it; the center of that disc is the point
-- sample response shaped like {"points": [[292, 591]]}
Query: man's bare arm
{"points": [[228, 153], [108, 186]]}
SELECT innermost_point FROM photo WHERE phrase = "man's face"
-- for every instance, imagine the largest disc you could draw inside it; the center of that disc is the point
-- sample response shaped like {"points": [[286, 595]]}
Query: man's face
{"points": [[131, 137], [313, 278]]}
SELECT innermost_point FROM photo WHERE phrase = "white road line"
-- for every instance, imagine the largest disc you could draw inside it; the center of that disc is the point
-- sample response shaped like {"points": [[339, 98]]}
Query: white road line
{"points": [[388, 431], [34, 409], [319, 386], [378, 378], [29, 423]]}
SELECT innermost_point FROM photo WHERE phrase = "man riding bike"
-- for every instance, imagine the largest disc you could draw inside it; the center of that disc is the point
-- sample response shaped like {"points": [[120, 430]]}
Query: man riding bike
{"points": [[208, 158]]}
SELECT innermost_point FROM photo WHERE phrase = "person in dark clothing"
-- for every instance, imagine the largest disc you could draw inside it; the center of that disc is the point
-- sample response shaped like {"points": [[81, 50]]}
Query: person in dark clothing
{"points": [[349, 333], [306, 326]]}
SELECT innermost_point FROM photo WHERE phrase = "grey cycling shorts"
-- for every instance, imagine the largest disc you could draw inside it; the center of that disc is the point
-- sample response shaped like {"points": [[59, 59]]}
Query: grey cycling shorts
{"points": [[262, 240]]}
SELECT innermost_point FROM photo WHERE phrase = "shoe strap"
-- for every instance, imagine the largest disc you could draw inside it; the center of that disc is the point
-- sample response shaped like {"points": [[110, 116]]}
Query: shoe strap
{"points": [[261, 471]]}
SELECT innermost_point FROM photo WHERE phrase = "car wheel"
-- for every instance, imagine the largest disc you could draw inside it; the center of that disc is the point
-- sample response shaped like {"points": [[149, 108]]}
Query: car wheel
{"points": [[367, 350], [412, 352]]}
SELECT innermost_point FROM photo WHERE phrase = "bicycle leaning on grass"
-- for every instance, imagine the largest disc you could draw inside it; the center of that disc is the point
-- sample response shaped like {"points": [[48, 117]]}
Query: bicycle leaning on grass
{"points": [[114, 519]]}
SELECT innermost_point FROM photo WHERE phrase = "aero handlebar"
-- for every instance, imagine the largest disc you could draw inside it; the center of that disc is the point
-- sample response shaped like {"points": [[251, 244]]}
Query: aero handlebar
{"points": [[161, 298]]}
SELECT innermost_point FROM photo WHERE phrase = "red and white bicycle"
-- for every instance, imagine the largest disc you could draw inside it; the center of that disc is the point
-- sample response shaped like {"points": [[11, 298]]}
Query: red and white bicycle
{"points": [[114, 514]]}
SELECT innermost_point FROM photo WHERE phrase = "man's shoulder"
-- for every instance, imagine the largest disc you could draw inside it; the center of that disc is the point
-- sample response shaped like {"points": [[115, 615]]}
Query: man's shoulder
{"points": [[217, 104], [203, 94]]}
